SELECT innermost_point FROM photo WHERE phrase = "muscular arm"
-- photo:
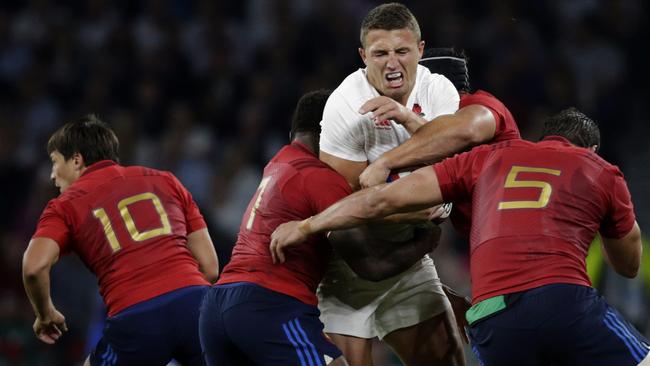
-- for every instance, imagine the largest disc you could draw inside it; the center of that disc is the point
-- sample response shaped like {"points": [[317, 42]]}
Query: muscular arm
{"points": [[40, 256], [350, 170], [442, 137], [200, 244], [375, 259], [417, 191], [624, 254]]}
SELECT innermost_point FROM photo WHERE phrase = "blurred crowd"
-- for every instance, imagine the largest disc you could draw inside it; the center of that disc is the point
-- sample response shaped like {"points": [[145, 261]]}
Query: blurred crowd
{"points": [[206, 89]]}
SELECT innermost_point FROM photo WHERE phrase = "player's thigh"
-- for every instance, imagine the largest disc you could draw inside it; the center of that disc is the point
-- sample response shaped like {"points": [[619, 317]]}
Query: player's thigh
{"points": [[433, 342], [276, 329], [357, 351], [590, 332], [184, 313], [494, 345], [218, 348], [131, 341], [416, 298]]}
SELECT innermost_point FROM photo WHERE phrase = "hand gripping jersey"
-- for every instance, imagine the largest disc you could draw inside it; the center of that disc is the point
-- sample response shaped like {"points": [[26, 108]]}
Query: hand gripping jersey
{"points": [[349, 135], [506, 129], [129, 225], [536, 208], [295, 186]]}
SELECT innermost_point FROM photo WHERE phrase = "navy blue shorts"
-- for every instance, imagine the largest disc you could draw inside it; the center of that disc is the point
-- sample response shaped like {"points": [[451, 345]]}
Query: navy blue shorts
{"points": [[154, 332], [246, 324], [557, 324]]}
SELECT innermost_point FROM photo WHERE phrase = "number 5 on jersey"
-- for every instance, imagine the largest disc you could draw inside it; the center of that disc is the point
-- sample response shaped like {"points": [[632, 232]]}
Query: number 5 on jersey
{"points": [[136, 235], [512, 182]]}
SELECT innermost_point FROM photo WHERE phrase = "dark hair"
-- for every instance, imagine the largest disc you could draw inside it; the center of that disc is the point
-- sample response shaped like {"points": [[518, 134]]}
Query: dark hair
{"points": [[450, 62], [88, 136], [573, 125], [309, 112], [389, 17]]}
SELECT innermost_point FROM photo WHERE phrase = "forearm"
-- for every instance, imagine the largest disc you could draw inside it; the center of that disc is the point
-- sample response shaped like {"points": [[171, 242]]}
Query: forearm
{"points": [[359, 208], [433, 142], [414, 123], [200, 245], [414, 217]]}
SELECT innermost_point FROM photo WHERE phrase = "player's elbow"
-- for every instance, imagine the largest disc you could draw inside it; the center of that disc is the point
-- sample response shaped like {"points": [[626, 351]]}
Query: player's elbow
{"points": [[630, 269], [211, 271], [630, 272], [625, 254], [34, 267], [211, 275]]}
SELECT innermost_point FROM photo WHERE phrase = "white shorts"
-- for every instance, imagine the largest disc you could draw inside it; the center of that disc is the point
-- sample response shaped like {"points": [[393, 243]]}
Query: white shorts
{"points": [[353, 306]]}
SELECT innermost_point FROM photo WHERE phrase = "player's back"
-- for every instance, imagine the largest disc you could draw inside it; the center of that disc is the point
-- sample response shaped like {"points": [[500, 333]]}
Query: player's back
{"points": [[536, 209], [287, 192], [129, 225]]}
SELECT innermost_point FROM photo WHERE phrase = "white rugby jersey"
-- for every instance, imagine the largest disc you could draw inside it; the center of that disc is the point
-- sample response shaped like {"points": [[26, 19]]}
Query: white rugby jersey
{"points": [[349, 135]]}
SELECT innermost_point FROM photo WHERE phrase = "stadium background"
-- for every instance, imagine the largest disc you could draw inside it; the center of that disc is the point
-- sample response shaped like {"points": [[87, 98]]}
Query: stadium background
{"points": [[205, 89]]}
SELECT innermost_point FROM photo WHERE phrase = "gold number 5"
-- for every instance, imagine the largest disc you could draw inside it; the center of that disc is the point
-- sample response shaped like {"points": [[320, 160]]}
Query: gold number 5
{"points": [[512, 182], [136, 235]]}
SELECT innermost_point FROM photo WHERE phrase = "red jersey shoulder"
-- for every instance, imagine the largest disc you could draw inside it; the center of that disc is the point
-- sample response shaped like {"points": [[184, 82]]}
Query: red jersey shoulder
{"points": [[506, 126]]}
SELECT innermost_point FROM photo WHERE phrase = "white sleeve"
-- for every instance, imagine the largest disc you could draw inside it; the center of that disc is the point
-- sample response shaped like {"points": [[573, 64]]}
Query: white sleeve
{"points": [[443, 95], [341, 130]]}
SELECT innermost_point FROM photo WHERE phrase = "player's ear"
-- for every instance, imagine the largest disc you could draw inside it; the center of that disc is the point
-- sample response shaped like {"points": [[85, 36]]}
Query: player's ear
{"points": [[362, 53], [594, 148], [421, 48], [79, 162]]}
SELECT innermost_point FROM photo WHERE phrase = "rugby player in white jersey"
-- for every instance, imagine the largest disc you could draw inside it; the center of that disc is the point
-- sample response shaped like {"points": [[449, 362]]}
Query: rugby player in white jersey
{"points": [[374, 110]]}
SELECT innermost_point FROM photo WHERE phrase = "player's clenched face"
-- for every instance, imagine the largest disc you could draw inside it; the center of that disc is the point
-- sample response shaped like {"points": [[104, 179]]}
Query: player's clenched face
{"points": [[64, 172], [391, 58]]}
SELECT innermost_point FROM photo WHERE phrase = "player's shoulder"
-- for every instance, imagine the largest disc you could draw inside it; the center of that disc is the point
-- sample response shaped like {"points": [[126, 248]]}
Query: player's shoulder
{"points": [[354, 89], [147, 173], [426, 79], [143, 171], [480, 97]]}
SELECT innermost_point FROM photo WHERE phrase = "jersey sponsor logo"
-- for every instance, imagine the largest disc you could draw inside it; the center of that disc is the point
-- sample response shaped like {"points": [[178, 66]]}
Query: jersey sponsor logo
{"points": [[383, 125]]}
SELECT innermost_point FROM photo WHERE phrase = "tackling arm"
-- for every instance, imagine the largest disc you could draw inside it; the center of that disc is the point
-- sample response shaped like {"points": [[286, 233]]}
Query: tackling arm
{"points": [[40, 256], [442, 137], [200, 244], [417, 191]]}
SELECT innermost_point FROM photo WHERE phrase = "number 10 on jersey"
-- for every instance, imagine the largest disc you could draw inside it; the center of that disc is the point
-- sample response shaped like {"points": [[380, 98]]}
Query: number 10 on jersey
{"points": [[136, 235]]}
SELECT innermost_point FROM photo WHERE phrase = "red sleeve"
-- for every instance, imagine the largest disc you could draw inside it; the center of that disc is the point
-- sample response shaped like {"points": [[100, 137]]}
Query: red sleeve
{"points": [[488, 102], [193, 215], [454, 177], [620, 216], [506, 127], [325, 187], [52, 225]]}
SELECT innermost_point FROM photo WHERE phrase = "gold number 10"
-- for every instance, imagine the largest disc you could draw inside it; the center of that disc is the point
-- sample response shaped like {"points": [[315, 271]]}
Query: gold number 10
{"points": [[136, 235], [512, 182]]}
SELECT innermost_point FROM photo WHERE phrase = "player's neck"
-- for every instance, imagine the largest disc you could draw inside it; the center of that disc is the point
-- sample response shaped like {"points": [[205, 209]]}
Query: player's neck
{"points": [[309, 139]]}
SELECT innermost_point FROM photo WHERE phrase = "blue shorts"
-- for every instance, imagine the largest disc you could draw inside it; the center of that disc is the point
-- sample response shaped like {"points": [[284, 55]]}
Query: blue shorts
{"points": [[557, 324], [246, 324], [154, 332]]}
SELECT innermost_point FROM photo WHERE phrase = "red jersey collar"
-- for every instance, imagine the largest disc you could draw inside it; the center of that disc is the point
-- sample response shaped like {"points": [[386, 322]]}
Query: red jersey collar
{"points": [[557, 138], [98, 165], [303, 147]]}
